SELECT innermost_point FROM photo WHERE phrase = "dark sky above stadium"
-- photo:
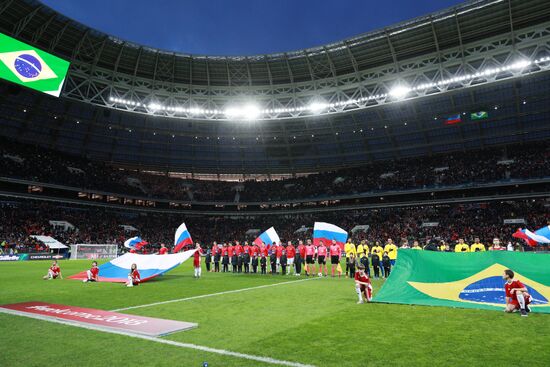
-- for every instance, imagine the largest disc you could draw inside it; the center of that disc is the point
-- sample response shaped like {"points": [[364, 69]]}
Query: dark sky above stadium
{"points": [[241, 27]]}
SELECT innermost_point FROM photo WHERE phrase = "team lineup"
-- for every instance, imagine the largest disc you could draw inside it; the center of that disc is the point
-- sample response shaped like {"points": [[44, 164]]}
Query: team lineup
{"points": [[288, 260]]}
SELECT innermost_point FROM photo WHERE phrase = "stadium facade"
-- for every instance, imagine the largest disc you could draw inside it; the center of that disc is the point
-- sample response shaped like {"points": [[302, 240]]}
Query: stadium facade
{"points": [[385, 95]]}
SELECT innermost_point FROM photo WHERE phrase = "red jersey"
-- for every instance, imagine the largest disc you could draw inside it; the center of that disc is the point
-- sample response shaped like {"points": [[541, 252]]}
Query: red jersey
{"points": [[499, 248], [254, 250], [214, 250], [509, 286], [230, 250], [263, 250], [136, 278], [362, 278], [197, 258], [279, 251], [238, 249], [290, 252], [55, 270], [163, 251], [302, 251], [246, 249], [322, 251], [95, 272]]}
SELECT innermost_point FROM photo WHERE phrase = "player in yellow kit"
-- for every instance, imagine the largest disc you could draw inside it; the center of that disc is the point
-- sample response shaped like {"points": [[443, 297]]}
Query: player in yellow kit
{"points": [[477, 246], [391, 249], [461, 246]]}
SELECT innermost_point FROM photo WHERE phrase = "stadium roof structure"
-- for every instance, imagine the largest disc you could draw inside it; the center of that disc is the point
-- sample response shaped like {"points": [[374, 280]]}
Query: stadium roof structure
{"points": [[384, 94]]}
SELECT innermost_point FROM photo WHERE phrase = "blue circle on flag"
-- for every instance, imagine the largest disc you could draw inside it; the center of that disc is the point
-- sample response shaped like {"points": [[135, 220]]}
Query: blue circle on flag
{"points": [[27, 66]]}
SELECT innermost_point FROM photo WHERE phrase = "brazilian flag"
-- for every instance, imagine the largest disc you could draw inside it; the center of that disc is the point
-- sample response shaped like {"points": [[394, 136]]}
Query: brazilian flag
{"points": [[31, 67], [465, 279], [481, 115]]}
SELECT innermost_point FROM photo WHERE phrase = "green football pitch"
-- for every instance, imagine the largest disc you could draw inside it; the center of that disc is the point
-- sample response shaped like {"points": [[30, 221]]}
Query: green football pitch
{"points": [[312, 322]]}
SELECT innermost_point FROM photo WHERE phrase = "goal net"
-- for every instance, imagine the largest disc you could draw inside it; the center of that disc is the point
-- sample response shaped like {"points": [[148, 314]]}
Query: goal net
{"points": [[85, 251]]}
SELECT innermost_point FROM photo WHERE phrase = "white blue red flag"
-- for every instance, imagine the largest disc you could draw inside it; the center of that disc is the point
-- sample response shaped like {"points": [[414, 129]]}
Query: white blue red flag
{"points": [[541, 235], [327, 232], [135, 243], [149, 266], [182, 238], [268, 237]]}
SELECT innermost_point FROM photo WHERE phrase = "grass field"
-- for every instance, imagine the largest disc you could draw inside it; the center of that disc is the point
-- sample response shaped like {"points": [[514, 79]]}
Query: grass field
{"points": [[314, 322]]}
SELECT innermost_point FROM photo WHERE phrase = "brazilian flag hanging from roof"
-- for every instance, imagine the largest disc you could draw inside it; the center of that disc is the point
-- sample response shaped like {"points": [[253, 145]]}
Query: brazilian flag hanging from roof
{"points": [[468, 280], [31, 67]]}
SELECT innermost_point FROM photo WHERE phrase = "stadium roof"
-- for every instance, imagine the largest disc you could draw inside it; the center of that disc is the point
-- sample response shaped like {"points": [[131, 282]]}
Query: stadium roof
{"points": [[484, 40], [356, 73]]}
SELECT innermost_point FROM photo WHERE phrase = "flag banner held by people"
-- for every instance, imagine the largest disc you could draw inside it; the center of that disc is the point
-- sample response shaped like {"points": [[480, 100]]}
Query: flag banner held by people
{"points": [[481, 115], [31, 67], [327, 232], [182, 238], [467, 280], [149, 266], [268, 237]]}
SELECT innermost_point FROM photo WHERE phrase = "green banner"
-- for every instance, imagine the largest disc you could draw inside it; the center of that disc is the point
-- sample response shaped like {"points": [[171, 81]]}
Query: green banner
{"points": [[31, 67], [468, 280]]}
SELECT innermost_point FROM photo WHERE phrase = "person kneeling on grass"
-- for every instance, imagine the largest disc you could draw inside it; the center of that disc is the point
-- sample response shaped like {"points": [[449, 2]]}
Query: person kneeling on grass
{"points": [[92, 274], [53, 272], [133, 278], [362, 285], [517, 297]]}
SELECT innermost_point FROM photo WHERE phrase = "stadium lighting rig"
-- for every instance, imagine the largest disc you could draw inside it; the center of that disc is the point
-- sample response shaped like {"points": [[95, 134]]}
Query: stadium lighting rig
{"points": [[253, 111]]}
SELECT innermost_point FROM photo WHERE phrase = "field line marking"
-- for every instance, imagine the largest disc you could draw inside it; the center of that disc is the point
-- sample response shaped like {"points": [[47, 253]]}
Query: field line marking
{"points": [[211, 295], [162, 341]]}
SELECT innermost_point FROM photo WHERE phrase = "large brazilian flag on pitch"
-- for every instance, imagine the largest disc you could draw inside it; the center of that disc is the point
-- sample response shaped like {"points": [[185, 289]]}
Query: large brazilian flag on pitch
{"points": [[468, 280], [31, 67]]}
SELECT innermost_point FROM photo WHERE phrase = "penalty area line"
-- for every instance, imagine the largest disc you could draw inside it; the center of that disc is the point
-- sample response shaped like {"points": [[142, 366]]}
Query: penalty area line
{"points": [[210, 295], [223, 352]]}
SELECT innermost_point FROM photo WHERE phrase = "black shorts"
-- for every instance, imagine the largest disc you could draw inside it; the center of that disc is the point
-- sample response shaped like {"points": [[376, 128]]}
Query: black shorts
{"points": [[309, 259], [334, 259], [321, 260]]}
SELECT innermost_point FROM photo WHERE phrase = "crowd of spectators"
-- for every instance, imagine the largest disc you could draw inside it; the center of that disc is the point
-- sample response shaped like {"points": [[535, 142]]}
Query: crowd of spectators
{"points": [[463, 168], [20, 219]]}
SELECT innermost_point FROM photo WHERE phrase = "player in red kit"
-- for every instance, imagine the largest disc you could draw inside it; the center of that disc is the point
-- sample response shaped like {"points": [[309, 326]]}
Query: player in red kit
{"points": [[163, 250], [133, 278], [362, 285], [290, 254], [93, 273], [517, 297], [197, 261], [310, 258], [53, 272]]}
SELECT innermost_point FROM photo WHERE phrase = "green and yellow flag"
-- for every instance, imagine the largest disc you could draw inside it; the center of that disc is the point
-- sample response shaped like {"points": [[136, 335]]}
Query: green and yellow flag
{"points": [[468, 280], [31, 67]]}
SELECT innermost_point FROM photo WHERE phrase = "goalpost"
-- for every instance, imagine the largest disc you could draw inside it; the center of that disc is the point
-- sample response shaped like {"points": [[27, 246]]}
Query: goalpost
{"points": [[93, 251]]}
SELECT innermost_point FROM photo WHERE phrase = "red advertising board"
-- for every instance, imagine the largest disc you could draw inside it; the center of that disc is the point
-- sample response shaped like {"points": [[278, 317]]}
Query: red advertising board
{"points": [[131, 324]]}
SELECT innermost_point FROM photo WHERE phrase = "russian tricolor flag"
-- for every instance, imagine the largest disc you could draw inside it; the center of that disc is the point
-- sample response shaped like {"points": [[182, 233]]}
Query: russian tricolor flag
{"points": [[182, 238], [541, 235], [268, 237], [149, 266], [135, 243], [327, 232]]}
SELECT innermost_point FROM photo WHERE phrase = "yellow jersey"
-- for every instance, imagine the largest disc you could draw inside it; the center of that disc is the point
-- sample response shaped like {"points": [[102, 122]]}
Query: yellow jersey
{"points": [[417, 248], [349, 248], [462, 247], [391, 249], [378, 250], [477, 247]]}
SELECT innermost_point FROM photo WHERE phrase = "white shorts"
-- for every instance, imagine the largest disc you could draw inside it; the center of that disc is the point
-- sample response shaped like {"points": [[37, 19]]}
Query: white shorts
{"points": [[290, 261]]}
